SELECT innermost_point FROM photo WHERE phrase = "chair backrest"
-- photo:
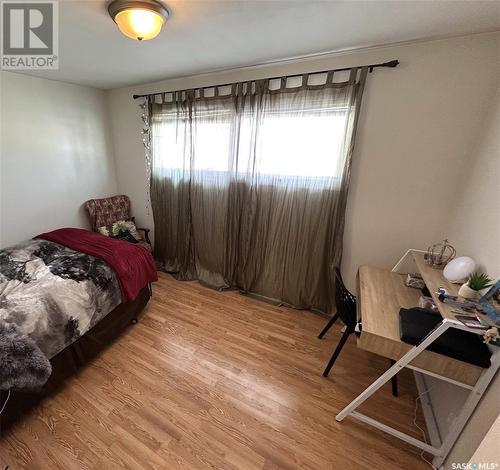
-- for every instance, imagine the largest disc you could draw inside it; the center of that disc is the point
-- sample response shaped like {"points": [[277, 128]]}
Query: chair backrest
{"points": [[107, 210], [344, 301]]}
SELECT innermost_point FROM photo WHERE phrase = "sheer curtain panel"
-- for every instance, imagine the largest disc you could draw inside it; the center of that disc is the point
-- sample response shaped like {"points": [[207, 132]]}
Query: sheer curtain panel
{"points": [[249, 184]]}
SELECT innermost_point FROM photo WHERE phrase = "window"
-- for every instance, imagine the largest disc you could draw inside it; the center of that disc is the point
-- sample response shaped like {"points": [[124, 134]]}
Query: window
{"points": [[284, 139]]}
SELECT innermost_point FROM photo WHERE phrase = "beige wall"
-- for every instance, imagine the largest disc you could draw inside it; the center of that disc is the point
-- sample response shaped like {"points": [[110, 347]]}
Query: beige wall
{"points": [[475, 223], [417, 127], [55, 153]]}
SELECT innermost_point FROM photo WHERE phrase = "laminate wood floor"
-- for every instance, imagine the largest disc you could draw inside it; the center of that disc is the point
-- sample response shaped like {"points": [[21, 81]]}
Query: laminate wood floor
{"points": [[212, 379]]}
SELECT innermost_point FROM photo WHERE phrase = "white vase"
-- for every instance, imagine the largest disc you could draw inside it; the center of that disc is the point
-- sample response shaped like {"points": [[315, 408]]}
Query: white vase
{"points": [[467, 293]]}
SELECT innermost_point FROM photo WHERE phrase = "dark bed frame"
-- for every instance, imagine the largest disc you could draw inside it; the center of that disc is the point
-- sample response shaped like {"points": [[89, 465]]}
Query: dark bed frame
{"points": [[75, 356]]}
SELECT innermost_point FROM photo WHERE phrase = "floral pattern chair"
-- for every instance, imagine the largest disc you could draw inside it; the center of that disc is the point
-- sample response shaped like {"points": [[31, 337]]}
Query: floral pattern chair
{"points": [[109, 210]]}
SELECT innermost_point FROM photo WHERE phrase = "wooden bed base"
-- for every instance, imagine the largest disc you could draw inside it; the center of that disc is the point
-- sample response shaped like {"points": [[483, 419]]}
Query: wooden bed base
{"points": [[68, 361]]}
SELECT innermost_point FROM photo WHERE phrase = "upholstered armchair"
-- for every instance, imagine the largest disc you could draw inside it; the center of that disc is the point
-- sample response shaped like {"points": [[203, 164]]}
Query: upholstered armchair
{"points": [[108, 210]]}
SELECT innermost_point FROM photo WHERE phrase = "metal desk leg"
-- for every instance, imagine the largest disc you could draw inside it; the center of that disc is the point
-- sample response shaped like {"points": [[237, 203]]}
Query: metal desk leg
{"points": [[385, 377], [475, 395]]}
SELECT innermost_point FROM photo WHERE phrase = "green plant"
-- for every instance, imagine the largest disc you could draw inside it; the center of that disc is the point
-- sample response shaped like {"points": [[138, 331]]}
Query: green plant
{"points": [[479, 281]]}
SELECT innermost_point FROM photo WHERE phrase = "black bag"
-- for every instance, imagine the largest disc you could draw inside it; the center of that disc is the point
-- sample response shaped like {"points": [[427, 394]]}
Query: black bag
{"points": [[416, 323]]}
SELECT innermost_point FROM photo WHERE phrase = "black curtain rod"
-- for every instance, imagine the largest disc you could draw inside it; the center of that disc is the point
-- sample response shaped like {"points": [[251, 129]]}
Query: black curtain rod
{"points": [[390, 64]]}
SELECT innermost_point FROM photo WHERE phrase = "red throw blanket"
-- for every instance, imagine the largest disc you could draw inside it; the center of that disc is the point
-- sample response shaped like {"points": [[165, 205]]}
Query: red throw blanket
{"points": [[133, 264]]}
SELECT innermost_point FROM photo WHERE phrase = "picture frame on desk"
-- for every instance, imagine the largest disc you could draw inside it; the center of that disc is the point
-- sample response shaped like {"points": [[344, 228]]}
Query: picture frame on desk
{"points": [[490, 303]]}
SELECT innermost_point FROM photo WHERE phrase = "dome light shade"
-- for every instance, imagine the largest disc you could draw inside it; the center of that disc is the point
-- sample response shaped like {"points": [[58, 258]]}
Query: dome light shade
{"points": [[138, 19], [458, 270], [139, 24]]}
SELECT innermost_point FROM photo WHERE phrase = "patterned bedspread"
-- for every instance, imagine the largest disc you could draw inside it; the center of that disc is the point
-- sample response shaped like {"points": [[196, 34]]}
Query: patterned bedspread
{"points": [[54, 294]]}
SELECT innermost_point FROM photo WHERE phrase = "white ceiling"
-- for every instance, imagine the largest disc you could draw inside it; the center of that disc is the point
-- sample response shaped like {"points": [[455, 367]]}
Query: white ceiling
{"points": [[205, 35]]}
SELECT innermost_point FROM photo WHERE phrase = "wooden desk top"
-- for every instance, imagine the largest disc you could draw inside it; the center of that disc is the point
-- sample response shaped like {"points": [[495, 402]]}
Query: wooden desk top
{"points": [[381, 293]]}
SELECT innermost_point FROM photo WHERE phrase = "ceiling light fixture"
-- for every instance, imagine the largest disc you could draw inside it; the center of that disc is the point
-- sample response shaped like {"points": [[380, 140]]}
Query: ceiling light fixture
{"points": [[138, 19]]}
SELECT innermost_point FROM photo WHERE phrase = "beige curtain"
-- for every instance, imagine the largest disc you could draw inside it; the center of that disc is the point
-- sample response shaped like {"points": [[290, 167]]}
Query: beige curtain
{"points": [[249, 184]]}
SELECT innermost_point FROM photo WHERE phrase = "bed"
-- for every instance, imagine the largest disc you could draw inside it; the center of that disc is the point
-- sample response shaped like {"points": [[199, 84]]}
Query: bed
{"points": [[63, 297]]}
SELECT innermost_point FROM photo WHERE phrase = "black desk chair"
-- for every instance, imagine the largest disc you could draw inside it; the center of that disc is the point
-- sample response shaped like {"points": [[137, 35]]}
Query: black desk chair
{"points": [[345, 303]]}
